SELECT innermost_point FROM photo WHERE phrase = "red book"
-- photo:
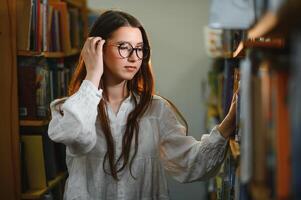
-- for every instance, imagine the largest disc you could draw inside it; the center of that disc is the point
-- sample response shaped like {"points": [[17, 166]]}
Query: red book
{"points": [[283, 145]]}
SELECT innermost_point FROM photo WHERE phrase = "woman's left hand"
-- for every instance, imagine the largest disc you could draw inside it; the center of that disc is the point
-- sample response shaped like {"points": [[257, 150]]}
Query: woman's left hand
{"points": [[227, 126]]}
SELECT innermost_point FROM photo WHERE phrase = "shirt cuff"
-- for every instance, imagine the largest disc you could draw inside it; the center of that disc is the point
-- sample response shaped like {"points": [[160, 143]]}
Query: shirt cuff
{"points": [[216, 136], [90, 86]]}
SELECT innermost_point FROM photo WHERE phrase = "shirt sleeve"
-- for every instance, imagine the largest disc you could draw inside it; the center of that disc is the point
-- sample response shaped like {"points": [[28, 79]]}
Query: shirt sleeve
{"points": [[185, 158], [76, 127]]}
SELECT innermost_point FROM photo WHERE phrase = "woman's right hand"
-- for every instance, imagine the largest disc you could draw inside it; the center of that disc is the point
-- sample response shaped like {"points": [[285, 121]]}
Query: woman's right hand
{"points": [[92, 55]]}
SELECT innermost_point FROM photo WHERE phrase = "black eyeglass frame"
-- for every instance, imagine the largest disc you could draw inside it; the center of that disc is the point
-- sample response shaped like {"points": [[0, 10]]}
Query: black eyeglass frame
{"points": [[144, 49]]}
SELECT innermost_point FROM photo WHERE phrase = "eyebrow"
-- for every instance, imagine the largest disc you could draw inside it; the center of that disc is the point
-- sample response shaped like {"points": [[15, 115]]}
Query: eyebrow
{"points": [[122, 41]]}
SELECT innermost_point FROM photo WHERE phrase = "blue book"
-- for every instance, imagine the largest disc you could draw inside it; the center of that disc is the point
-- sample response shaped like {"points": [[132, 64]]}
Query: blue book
{"points": [[295, 115]]}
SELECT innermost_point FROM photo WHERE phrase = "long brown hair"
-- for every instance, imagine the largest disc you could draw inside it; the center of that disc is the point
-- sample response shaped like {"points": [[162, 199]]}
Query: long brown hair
{"points": [[141, 85]]}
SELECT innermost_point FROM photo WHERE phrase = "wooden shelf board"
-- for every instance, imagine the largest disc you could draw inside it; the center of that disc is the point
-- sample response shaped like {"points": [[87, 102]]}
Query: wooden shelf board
{"points": [[61, 54], [76, 3], [36, 194], [29, 53], [265, 43], [276, 43], [49, 54], [34, 122]]}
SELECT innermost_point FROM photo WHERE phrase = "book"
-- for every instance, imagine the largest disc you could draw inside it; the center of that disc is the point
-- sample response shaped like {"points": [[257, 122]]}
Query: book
{"points": [[26, 92], [34, 158], [283, 140], [259, 176], [230, 65], [295, 116], [50, 157], [64, 24], [34, 91], [41, 163], [74, 27], [24, 177], [246, 121], [24, 14]]}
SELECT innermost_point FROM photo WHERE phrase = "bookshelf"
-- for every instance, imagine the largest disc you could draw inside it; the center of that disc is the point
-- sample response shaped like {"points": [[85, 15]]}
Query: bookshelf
{"points": [[262, 161], [24, 39], [9, 137]]}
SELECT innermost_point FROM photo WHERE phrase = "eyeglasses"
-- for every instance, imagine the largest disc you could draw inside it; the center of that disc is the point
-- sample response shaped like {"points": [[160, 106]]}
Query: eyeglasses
{"points": [[125, 50]]}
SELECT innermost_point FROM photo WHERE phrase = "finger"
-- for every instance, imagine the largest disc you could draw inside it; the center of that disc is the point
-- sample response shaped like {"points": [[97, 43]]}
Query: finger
{"points": [[234, 100], [99, 47], [236, 91], [86, 44], [238, 88], [233, 97], [89, 43], [94, 42], [235, 94]]}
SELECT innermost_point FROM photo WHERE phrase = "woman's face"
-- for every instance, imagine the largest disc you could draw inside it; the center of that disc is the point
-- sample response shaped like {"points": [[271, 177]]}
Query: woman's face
{"points": [[120, 63]]}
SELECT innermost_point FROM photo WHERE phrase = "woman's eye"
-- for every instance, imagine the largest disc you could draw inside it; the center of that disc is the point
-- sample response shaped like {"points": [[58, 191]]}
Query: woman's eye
{"points": [[123, 47]]}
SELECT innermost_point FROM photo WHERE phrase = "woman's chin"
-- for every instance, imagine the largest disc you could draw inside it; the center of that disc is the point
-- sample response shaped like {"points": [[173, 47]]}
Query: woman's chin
{"points": [[128, 76]]}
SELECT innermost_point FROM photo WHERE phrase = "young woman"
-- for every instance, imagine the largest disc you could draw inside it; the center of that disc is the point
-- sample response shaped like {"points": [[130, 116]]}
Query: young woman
{"points": [[120, 137]]}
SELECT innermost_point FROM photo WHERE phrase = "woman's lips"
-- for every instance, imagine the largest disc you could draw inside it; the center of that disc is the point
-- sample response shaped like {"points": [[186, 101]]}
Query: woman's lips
{"points": [[130, 68]]}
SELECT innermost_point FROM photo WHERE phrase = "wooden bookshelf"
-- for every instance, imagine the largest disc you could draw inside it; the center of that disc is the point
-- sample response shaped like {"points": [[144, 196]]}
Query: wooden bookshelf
{"points": [[9, 137], [37, 194], [14, 21]]}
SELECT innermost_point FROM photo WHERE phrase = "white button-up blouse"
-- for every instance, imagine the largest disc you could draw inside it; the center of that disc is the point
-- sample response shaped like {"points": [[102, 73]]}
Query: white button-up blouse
{"points": [[163, 146]]}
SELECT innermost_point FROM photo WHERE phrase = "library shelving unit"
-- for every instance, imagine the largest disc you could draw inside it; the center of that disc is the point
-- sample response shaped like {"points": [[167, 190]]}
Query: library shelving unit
{"points": [[263, 161], [34, 30]]}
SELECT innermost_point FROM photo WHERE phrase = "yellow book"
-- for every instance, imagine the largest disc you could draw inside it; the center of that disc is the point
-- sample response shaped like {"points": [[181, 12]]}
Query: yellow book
{"points": [[34, 161]]}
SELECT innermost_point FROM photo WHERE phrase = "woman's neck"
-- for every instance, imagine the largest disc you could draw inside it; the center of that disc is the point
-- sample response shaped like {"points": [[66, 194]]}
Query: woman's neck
{"points": [[116, 91]]}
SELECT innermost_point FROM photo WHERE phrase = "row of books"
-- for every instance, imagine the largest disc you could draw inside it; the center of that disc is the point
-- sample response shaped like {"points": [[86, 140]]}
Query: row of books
{"points": [[40, 81], [265, 128], [223, 82], [263, 161], [48, 25]]}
